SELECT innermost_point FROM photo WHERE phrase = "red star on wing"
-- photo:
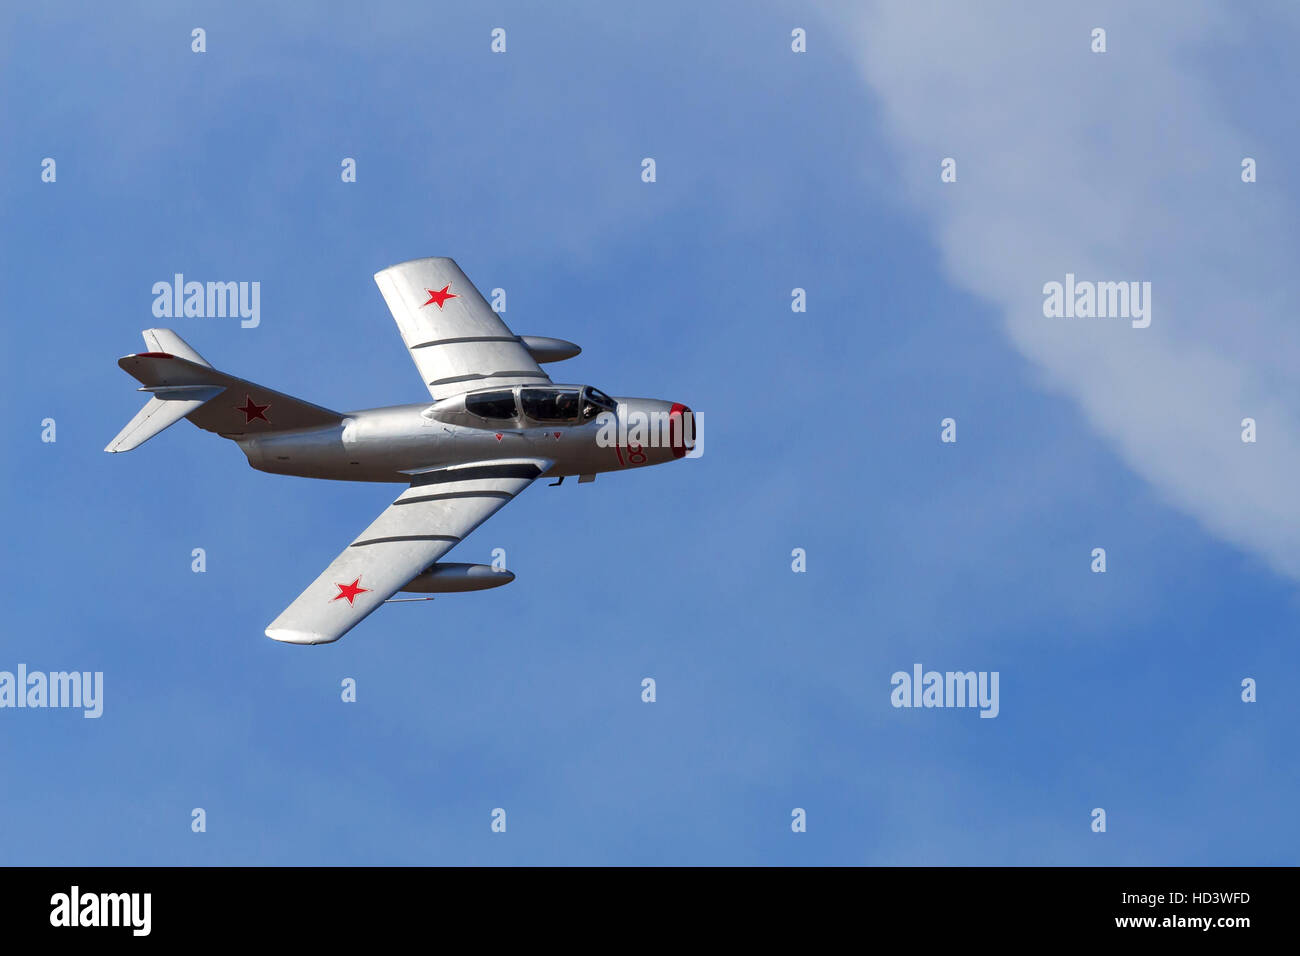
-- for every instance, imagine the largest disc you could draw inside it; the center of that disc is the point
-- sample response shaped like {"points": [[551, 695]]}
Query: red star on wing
{"points": [[349, 591], [252, 410], [441, 296]]}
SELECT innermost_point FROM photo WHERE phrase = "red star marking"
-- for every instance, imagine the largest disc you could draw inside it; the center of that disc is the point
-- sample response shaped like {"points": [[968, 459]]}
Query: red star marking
{"points": [[441, 296], [557, 435], [252, 410], [499, 436], [350, 591]]}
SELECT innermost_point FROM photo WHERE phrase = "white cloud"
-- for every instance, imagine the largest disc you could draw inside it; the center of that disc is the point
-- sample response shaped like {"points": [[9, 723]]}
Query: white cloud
{"points": [[1115, 166]]}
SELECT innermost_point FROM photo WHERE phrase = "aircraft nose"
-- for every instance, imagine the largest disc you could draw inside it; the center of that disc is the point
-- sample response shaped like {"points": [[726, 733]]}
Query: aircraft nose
{"points": [[681, 421]]}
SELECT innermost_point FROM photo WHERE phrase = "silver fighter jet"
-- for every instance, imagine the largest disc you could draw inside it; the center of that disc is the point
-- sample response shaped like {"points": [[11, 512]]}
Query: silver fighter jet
{"points": [[497, 423]]}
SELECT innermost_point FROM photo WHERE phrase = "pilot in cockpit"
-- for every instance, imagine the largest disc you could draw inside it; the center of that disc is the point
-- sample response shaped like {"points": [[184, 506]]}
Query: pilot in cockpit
{"points": [[566, 405]]}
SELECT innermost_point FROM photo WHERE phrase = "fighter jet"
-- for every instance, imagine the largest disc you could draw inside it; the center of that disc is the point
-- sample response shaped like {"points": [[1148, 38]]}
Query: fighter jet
{"points": [[496, 424]]}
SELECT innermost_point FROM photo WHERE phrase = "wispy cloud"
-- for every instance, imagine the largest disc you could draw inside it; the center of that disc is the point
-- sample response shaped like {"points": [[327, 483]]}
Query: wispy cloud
{"points": [[1114, 166]]}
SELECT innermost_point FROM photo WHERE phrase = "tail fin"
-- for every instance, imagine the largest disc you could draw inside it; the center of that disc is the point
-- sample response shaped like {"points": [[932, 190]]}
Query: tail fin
{"points": [[183, 385], [167, 341]]}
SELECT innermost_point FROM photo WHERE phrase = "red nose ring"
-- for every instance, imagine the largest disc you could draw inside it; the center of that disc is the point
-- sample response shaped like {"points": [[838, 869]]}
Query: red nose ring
{"points": [[681, 425]]}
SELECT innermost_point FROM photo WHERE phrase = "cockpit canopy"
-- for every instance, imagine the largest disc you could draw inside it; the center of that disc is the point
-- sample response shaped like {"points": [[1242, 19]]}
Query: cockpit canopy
{"points": [[537, 404]]}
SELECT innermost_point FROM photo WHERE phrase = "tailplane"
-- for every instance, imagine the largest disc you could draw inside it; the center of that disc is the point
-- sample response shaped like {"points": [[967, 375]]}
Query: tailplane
{"points": [[183, 385]]}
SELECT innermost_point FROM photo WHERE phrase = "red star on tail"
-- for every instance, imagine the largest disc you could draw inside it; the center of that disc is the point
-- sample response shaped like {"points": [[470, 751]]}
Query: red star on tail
{"points": [[350, 591], [252, 410], [441, 296]]}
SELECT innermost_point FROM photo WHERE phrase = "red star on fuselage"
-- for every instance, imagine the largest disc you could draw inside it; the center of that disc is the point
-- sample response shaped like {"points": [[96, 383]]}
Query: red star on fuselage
{"points": [[349, 591], [441, 296], [252, 410]]}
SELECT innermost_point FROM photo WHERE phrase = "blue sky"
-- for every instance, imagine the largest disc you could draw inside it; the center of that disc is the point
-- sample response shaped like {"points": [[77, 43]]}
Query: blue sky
{"points": [[775, 170]]}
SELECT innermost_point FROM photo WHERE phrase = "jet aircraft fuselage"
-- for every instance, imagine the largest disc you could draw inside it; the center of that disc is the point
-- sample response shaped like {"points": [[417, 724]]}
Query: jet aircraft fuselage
{"points": [[392, 444]]}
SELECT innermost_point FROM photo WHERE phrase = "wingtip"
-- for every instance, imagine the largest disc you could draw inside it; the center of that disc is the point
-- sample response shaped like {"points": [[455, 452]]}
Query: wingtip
{"points": [[287, 635], [412, 262]]}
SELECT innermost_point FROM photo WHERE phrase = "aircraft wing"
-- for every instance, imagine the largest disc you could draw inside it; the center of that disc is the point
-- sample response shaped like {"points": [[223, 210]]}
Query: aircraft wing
{"points": [[457, 341], [439, 510]]}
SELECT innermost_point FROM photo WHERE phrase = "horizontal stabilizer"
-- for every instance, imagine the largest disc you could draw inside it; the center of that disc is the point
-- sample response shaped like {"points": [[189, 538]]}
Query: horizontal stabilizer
{"points": [[160, 412], [182, 392]]}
